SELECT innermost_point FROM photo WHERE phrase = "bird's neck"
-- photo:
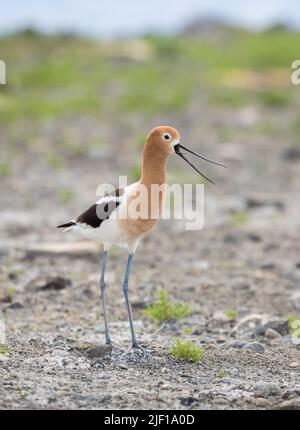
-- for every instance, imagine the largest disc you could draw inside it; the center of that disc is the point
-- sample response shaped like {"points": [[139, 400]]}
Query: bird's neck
{"points": [[153, 167]]}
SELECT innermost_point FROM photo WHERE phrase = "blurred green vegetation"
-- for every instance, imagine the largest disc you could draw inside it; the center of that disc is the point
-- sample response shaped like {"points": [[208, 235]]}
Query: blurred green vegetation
{"points": [[51, 76], [66, 77]]}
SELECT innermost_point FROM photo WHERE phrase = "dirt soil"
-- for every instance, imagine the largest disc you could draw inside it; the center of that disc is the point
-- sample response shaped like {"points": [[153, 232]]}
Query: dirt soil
{"points": [[246, 258]]}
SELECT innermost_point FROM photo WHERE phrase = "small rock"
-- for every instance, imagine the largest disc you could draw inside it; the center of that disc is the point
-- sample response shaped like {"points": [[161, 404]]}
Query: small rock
{"points": [[289, 394], [248, 327], [234, 237], [292, 404], [50, 283], [220, 317], [260, 402], [4, 358], [255, 347], [87, 292], [237, 344], [291, 154], [278, 324], [254, 237], [15, 305], [198, 331], [268, 266], [255, 203], [165, 386], [139, 304], [6, 299], [266, 390], [122, 366], [272, 334], [187, 401], [98, 351], [257, 325]]}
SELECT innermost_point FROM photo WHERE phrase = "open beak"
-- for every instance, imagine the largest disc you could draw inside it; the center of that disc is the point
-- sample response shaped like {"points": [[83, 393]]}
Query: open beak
{"points": [[178, 152]]}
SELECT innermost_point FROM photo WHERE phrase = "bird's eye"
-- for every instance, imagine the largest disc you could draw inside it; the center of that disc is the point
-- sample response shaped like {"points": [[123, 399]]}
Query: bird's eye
{"points": [[167, 136]]}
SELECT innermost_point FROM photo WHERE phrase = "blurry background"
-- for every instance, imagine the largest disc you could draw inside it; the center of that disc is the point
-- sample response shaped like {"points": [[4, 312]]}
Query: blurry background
{"points": [[86, 81]]}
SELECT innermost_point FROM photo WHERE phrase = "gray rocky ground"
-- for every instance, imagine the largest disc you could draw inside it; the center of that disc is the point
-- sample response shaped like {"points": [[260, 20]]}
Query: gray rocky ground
{"points": [[246, 258]]}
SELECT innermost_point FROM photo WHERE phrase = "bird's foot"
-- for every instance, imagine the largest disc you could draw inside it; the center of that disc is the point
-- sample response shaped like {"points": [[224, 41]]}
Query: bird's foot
{"points": [[138, 353]]}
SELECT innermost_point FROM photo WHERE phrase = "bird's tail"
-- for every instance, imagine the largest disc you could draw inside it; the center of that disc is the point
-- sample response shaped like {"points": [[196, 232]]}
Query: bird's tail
{"points": [[67, 226]]}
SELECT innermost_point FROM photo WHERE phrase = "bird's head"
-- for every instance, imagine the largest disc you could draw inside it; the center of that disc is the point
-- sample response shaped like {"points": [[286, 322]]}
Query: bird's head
{"points": [[165, 140]]}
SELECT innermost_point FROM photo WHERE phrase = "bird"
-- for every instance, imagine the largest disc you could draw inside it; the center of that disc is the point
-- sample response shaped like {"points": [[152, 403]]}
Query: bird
{"points": [[109, 221]]}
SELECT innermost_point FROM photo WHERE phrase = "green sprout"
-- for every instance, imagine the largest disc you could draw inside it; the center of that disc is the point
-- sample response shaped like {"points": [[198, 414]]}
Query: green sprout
{"points": [[221, 373], [294, 325], [187, 331], [239, 218], [186, 350], [231, 313], [3, 349], [164, 309]]}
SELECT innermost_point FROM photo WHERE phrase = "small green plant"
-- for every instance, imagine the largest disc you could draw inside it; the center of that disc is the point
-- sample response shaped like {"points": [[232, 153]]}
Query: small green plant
{"points": [[186, 350], [21, 392], [239, 218], [231, 313], [294, 324], [164, 309], [187, 331], [10, 291], [221, 373], [3, 349]]}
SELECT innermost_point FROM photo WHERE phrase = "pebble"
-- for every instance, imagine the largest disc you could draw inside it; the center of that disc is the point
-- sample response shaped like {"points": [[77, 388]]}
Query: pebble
{"points": [[248, 327], [122, 366], [260, 402], [291, 154], [98, 351], [257, 325], [237, 344], [220, 317], [273, 334], [188, 401], [49, 283], [255, 347], [165, 387], [266, 390], [292, 404], [278, 324]]}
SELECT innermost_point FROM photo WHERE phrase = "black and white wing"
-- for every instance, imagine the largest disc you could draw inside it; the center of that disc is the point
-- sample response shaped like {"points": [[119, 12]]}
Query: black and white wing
{"points": [[98, 212]]}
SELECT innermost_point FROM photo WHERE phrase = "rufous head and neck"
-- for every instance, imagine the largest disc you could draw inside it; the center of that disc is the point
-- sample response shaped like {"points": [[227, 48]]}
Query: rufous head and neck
{"points": [[161, 142], [158, 146]]}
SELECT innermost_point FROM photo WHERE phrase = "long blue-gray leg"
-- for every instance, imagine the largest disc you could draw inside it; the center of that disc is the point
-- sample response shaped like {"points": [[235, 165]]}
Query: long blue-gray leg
{"points": [[125, 291], [102, 291]]}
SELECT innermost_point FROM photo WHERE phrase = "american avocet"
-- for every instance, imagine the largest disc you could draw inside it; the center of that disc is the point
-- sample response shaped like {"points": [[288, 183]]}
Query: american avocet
{"points": [[109, 221]]}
